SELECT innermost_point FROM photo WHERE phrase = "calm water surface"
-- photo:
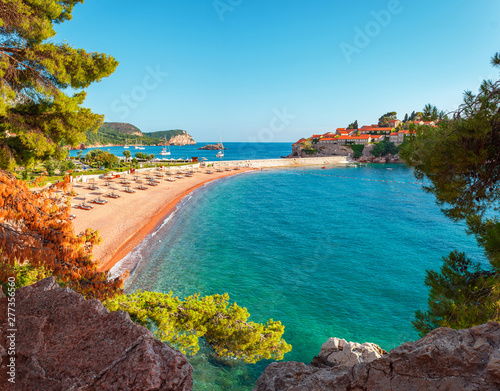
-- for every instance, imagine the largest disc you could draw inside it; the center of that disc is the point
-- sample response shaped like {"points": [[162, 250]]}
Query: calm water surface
{"points": [[331, 252]]}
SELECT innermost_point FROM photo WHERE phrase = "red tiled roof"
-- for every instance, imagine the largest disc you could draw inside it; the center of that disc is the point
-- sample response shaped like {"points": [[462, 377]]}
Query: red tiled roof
{"points": [[340, 128], [317, 135], [362, 137], [328, 139]]}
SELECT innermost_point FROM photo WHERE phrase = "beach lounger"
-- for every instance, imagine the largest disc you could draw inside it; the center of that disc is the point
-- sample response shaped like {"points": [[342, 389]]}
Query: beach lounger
{"points": [[98, 201], [142, 187], [84, 206], [171, 179], [128, 190]]}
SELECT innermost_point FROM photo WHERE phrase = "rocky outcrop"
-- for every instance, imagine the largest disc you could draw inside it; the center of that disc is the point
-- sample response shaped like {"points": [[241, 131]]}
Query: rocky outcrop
{"points": [[383, 159], [339, 352], [212, 147], [64, 342], [79, 146], [445, 359], [181, 139]]}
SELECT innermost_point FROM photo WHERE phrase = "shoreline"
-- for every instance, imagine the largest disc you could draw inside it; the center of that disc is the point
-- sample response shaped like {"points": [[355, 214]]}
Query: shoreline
{"points": [[123, 223], [129, 219], [138, 237]]}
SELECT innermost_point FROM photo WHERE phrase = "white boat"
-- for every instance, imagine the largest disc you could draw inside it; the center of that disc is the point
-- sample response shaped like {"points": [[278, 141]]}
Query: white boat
{"points": [[138, 146], [166, 150], [221, 151], [126, 146]]}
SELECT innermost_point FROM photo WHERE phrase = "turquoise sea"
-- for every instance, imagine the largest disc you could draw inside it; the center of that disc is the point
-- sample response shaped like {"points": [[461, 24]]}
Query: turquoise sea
{"points": [[234, 151], [340, 252]]}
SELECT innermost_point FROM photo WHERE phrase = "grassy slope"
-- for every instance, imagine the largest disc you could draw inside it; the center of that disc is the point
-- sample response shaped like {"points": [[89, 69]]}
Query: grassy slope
{"points": [[115, 133]]}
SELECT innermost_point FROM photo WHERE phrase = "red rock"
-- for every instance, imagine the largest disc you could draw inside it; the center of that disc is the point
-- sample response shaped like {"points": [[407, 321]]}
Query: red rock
{"points": [[65, 342], [445, 359]]}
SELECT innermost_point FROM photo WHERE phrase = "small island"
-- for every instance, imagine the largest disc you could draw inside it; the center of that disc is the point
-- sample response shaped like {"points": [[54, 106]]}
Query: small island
{"points": [[213, 147], [377, 143]]}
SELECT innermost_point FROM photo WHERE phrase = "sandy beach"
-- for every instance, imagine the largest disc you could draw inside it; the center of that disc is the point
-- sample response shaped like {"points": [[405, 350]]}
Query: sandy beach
{"points": [[125, 221]]}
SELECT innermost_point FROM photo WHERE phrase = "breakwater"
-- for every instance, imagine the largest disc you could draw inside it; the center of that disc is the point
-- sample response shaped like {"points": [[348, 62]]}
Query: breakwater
{"points": [[268, 163]]}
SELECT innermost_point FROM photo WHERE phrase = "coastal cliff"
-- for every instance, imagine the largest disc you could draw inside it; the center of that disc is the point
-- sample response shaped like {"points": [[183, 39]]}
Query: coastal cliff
{"points": [[64, 342], [444, 359], [112, 134], [300, 150], [180, 140]]}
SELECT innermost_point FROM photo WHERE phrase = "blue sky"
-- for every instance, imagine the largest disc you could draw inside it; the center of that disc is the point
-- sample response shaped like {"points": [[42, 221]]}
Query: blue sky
{"points": [[278, 70]]}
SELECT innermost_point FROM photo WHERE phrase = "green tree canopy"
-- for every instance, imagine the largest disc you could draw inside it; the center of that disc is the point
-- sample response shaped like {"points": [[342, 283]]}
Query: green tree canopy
{"points": [[103, 158], [37, 116], [353, 125], [384, 120], [384, 147], [461, 159], [431, 113], [224, 326]]}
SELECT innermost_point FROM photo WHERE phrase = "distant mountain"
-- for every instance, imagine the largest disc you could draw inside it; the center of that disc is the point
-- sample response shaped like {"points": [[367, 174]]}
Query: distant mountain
{"points": [[172, 137], [118, 133], [122, 127], [168, 133]]}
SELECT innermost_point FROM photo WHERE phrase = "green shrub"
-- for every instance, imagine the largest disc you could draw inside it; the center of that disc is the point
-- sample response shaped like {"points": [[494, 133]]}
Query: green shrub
{"points": [[357, 150]]}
